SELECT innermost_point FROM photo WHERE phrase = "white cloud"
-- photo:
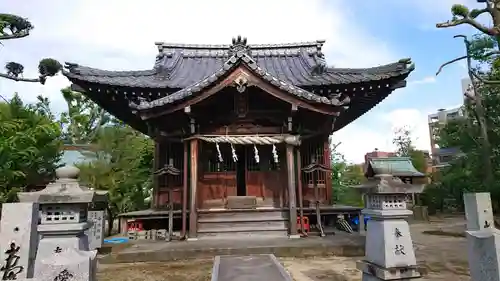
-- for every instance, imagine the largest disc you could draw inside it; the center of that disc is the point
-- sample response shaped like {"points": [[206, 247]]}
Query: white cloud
{"points": [[425, 80], [358, 138]]}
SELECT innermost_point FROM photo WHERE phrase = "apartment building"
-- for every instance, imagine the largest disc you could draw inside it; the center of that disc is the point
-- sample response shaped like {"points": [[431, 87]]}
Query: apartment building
{"points": [[441, 156]]}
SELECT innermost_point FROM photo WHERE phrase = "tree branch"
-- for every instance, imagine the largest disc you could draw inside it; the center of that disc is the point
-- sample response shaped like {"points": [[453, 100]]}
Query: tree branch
{"points": [[20, 79], [472, 22], [449, 62], [14, 35], [486, 82]]}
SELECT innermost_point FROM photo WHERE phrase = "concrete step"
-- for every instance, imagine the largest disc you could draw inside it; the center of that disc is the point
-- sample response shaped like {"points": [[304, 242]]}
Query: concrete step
{"points": [[244, 235], [256, 215], [203, 219], [242, 226]]}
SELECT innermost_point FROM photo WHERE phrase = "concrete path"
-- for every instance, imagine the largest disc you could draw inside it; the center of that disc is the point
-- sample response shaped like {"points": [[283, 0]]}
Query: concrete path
{"points": [[249, 268]]}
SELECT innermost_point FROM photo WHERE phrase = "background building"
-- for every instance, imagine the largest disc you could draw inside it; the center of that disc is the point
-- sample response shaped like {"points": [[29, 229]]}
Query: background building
{"points": [[441, 156]]}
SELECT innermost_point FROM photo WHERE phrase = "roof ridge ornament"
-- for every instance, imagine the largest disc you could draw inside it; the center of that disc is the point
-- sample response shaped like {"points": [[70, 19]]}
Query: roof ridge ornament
{"points": [[319, 57], [239, 47]]}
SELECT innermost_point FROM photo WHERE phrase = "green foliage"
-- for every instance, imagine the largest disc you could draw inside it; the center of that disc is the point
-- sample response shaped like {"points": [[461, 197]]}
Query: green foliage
{"points": [[344, 177], [16, 27], [403, 142], [29, 145], [405, 148], [123, 167], [12, 24], [459, 10], [83, 119]]}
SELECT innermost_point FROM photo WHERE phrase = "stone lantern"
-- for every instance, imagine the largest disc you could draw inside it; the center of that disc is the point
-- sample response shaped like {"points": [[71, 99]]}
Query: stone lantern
{"points": [[389, 253], [63, 223]]}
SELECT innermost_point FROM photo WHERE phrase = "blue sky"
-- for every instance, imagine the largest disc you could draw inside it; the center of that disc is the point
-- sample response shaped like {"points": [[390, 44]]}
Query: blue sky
{"points": [[121, 34]]}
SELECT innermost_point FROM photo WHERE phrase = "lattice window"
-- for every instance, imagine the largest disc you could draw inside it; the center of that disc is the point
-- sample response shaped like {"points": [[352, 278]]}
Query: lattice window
{"points": [[266, 159], [309, 151], [172, 152], [210, 159]]}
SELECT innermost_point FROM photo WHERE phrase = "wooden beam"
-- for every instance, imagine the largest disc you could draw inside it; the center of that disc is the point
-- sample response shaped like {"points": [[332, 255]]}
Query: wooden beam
{"points": [[292, 200], [193, 216], [185, 190]]}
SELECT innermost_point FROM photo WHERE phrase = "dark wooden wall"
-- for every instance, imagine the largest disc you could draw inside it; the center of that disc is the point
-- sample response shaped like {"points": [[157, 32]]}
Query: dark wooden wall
{"points": [[268, 180]]}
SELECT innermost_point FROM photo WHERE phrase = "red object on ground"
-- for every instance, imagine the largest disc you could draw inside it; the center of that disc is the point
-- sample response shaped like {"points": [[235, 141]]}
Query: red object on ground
{"points": [[134, 226], [307, 228]]}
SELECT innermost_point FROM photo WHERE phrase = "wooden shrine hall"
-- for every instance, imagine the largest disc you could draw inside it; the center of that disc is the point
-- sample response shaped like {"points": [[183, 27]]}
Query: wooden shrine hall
{"points": [[237, 124]]}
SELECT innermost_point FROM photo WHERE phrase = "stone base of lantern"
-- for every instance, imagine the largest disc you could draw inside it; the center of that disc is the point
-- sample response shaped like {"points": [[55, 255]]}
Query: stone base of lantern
{"points": [[68, 264], [373, 272], [388, 239]]}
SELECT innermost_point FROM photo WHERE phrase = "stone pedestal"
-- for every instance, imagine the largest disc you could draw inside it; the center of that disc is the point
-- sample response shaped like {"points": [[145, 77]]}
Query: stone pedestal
{"points": [[68, 264], [483, 239], [484, 260], [389, 253]]}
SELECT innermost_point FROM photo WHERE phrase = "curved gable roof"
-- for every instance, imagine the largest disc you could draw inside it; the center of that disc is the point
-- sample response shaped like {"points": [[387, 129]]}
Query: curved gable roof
{"points": [[230, 65], [180, 65]]}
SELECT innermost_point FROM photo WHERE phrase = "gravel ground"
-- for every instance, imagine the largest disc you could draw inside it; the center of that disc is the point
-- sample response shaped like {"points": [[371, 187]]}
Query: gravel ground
{"points": [[444, 258]]}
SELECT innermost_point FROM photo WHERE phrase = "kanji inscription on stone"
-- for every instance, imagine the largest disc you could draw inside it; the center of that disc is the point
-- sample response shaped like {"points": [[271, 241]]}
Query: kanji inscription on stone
{"points": [[397, 233], [399, 250]]}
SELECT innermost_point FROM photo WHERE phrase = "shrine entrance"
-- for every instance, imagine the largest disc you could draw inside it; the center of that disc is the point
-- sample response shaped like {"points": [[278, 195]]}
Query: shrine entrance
{"points": [[241, 171]]}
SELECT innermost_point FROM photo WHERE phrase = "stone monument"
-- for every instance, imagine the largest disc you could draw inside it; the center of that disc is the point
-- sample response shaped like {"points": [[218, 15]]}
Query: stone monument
{"points": [[483, 239], [389, 253], [96, 215], [63, 248], [18, 240]]}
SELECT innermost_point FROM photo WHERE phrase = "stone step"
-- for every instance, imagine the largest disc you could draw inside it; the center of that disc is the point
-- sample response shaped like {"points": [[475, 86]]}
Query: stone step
{"points": [[256, 215], [239, 219], [242, 228], [244, 235], [237, 226]]}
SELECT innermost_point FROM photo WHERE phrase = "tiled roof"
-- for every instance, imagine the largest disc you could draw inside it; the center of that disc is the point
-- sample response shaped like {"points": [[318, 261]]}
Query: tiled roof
{"points": [[231, 63], [180, 65], [396, 166]]}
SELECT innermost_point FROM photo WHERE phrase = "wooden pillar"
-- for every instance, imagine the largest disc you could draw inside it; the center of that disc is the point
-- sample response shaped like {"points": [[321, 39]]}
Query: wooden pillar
{"points": [[299, 188], [156, 179], [193, 216], [328, 176], [185, 174], [292, 201]]}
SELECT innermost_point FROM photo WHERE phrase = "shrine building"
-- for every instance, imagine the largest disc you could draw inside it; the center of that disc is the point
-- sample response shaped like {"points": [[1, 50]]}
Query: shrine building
{"points": [[238, 123]]}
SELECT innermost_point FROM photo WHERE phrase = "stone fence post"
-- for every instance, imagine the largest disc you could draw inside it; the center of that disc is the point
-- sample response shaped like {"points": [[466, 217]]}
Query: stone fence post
{"points": [[483, 239]]}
